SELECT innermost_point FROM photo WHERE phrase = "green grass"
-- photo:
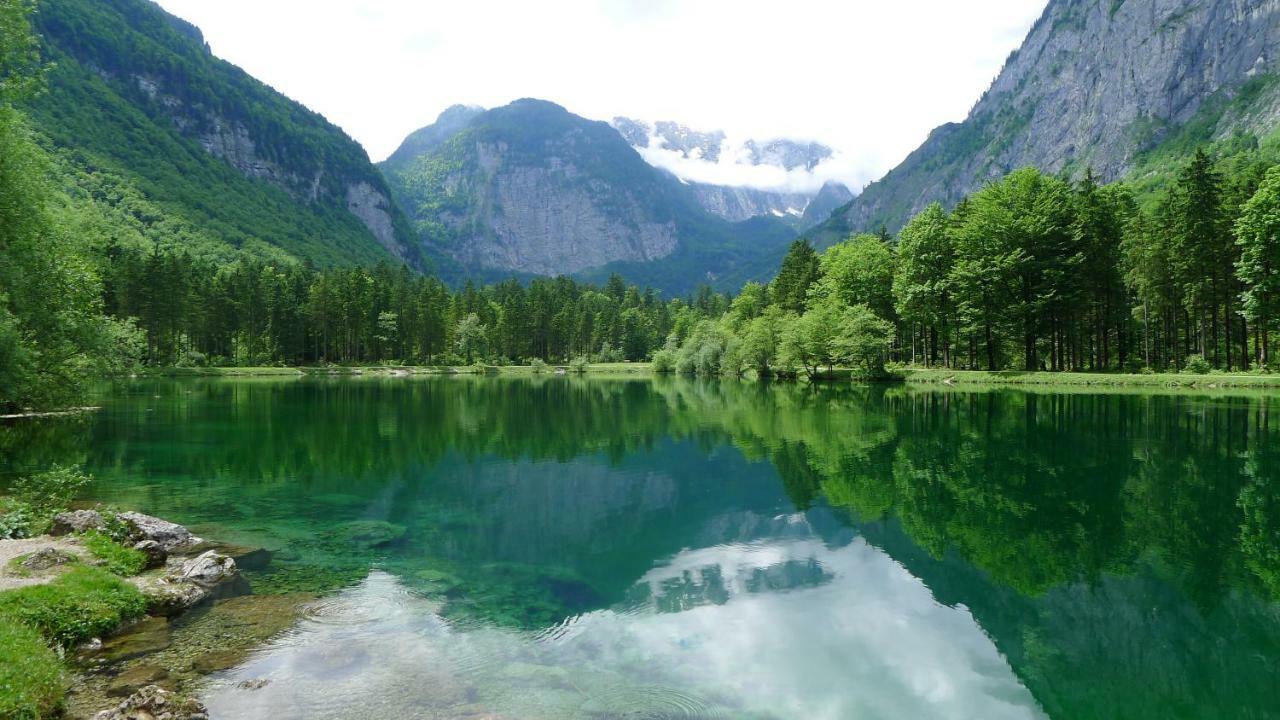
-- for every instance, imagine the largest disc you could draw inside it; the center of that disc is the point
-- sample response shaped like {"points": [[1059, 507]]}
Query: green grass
{"points": [[84, 602], [32, 682], [1018, 377], [116, 558]]}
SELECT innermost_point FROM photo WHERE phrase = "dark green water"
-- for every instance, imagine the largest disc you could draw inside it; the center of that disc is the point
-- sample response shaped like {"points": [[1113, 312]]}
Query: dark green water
{"points": [[567, 548]]}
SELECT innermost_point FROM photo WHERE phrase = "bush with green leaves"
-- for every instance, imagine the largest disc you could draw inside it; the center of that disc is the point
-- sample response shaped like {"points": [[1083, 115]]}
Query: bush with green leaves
{"points": [[1197, 365], [578, 365], [538, 365], [36, 499]]}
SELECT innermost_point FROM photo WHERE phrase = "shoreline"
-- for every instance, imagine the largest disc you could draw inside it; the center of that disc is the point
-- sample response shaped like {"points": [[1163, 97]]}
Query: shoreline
{"points": [[909, 376], [186, 613]]}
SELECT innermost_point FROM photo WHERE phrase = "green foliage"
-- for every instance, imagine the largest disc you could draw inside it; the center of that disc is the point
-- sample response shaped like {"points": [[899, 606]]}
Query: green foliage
{"points": [[114, 556], [50, 491], [858, 271], [800, 269], [135, 91], [1257, 232], [82, 603], [32, 682]]}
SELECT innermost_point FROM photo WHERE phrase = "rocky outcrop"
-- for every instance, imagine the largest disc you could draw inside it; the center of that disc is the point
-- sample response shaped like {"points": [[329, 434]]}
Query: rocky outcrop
{"points": [[375, 210], [1094, 84], [155, 703]]}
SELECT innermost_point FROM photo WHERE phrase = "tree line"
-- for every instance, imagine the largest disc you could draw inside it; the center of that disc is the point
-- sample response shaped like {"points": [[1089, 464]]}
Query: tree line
{"points": [[1033, 272]]}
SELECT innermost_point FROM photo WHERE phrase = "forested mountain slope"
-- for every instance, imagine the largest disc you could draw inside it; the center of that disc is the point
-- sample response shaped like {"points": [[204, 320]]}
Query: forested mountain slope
{"points": [[1101, 84], [530, 188], [137, 92]]}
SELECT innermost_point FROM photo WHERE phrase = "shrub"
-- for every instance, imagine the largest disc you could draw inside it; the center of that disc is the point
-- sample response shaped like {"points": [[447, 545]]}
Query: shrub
{"points": [[539, 365], [664, 361], [1197, 365], [116, 558], [82, 603], [578, 365], [49, 492], [19, 520], [31, 679]]}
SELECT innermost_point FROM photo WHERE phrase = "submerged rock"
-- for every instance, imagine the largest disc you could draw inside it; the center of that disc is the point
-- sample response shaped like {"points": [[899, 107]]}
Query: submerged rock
{"points": [[135, 678], [77, 521], [170, 536], [148, 636], [365, 534], [155, 703]]}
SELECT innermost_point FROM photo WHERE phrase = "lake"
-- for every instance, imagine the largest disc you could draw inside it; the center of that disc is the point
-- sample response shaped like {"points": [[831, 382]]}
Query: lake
{"points": [[554, 547]]}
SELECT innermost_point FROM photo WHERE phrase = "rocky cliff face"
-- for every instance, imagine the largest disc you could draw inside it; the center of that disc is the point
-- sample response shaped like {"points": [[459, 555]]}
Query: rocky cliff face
{"points": [[532, 188], [1095, 83], [742, 203]]}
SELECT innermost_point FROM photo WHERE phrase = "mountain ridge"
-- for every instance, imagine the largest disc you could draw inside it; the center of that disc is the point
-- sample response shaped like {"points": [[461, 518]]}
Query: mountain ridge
{"points": [[1096, 84]]}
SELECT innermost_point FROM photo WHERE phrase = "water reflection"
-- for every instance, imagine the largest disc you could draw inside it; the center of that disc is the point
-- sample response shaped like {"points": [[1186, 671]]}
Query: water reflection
{"points": [[1114, 555], [760, 630]]}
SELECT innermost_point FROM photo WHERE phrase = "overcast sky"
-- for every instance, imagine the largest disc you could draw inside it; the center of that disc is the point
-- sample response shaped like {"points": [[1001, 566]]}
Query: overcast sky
{"points": [[868, 77]]}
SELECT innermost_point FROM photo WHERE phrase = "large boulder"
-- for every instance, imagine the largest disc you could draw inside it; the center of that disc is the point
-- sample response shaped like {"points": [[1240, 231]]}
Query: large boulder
{"points": [[155, 703], [208, 569], [77, 521], [210, 575], [170, 536]]}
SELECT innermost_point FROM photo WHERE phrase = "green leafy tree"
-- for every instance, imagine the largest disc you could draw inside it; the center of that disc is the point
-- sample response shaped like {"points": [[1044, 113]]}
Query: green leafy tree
{"points": [[922, 281], [1258, 235], [859, 271]]}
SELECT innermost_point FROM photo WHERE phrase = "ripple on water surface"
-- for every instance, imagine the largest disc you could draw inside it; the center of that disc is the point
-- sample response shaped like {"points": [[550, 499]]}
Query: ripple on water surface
{"points": [[649, 702]]}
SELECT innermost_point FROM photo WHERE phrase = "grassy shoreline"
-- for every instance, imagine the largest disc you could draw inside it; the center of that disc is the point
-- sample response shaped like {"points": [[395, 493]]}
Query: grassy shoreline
{"points": [[393, 370], [1099, 380], [917, 376]]}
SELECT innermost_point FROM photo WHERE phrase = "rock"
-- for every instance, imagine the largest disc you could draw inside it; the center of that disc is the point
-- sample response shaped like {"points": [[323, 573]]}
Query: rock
{"points": [[247, 558], [255, 684], [208, 569], [155, 553], [90, 645], [46, 558], [215, 660], [150, 635], [77, 521], [365, 534], [170, 536], [135, 678], [210, 575], [155, 703], [168, 595]]}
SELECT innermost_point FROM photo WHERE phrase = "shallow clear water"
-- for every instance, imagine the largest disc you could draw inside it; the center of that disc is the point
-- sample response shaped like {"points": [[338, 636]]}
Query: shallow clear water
{"points": [[566, 548]]}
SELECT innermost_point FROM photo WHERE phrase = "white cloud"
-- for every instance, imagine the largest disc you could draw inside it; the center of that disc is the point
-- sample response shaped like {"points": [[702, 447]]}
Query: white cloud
{"points": [[868, 78]]}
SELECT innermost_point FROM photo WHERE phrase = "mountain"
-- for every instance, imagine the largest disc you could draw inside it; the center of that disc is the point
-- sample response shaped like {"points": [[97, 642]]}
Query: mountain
{"points": [[136, 92], [691, 154], [530, 188], [1101, 84]]}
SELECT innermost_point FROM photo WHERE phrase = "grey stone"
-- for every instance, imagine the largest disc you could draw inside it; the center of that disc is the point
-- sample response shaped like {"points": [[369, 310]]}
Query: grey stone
{"points": [[170, 536], [155, 703], [77, 521], [155, 553], [46, 558]]}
